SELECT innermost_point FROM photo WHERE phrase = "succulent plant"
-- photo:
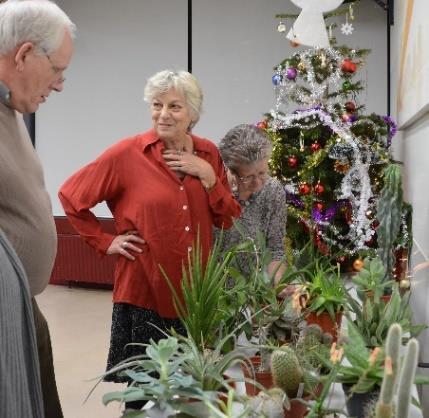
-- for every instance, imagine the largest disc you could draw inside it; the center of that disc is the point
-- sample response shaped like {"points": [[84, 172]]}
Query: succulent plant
{"points": [[292, 366], [312, 344]]}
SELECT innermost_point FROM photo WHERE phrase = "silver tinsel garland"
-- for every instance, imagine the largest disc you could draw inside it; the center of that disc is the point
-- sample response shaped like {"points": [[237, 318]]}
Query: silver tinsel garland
{"points": [[355, 186]]}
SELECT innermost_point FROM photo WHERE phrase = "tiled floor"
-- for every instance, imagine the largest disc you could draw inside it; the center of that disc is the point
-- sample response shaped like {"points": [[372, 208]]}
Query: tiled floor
{"points": [[79, 321]]}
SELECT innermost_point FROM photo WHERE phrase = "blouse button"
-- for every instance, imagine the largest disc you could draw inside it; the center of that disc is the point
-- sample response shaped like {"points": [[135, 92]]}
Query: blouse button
{"points": [[185, 207], [187, 228], [181, 188]]}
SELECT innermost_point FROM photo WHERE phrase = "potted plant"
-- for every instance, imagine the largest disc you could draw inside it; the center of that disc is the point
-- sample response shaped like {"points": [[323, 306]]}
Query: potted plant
{"points": [[177, 377], [157, 377], [297, 369], [323, 295], [373, 316], [361, 372]]}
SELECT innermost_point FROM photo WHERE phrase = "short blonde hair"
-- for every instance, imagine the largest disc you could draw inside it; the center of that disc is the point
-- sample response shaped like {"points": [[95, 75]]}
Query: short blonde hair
{"points": [[182, 81]]}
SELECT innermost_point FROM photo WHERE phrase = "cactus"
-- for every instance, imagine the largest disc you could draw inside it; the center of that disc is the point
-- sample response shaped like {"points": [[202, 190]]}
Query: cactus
{"points": [[389, 211], [385, 407], [267, 404], [311, 344], [393, 344], [286, 370], [406, 379]]}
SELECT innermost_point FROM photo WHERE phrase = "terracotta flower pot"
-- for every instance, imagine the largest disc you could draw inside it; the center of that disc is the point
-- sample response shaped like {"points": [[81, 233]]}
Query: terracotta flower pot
{"points": [[297, 409], [263, 378], [326, 323]]}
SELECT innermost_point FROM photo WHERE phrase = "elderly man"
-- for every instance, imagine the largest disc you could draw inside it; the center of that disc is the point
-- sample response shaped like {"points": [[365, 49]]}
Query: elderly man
{"points": [[35, 49]]}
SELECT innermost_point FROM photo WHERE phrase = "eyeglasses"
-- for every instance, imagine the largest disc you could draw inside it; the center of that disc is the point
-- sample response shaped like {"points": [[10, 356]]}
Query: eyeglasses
{"points": [[253, 177], [54, 68]]}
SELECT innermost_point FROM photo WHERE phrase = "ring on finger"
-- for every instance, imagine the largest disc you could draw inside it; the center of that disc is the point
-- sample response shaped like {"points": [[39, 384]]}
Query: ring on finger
{"points": [[124, 244]]}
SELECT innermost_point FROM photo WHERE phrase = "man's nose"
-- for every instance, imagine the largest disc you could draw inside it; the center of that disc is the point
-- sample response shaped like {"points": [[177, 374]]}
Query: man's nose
{"points": [[58, 85]]}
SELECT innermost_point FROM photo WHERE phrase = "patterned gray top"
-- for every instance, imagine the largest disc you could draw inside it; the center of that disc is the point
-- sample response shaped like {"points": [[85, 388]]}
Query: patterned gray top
{"points": [[264, 212]]}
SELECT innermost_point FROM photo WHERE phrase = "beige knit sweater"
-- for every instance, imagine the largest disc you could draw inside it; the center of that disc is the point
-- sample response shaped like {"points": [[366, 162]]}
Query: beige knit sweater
{"points": [[25, 207]]}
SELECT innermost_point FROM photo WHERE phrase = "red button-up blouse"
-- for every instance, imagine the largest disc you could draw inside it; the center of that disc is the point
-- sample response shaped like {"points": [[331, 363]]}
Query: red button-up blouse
{"points": [[143, 194]]}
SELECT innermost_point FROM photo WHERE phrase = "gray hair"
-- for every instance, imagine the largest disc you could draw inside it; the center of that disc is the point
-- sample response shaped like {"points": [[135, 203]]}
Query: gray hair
{"points": [[40, 22], [182, 81], [244, 144]]}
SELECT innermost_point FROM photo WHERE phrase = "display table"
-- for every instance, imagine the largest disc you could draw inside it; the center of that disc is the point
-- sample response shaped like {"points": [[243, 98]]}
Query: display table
{"points": [[336, 398]]}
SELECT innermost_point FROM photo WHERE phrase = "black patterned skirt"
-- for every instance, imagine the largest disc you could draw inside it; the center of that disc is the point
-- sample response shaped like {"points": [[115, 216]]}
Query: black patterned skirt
{"points": [[132, 324]]}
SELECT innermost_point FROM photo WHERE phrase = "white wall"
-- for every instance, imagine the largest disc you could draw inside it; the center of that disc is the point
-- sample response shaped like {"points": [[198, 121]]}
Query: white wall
{"points": [[236, 46], [121, 43], [412, 147]]}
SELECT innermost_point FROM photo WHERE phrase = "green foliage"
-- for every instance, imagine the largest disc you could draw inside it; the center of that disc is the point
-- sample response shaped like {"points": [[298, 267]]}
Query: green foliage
{"points": [[389, 211]]}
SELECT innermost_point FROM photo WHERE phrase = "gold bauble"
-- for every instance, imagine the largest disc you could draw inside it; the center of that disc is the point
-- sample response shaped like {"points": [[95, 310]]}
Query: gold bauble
{"points": [[340, 167], [358, 264], [301, 66], [405, 284]]}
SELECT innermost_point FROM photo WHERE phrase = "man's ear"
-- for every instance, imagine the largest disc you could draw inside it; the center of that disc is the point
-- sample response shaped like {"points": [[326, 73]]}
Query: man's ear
{"points": [[22, 55]]}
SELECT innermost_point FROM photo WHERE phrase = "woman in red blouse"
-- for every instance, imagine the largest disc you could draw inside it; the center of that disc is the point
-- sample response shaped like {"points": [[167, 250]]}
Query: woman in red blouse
{"points": [[163, 187]]}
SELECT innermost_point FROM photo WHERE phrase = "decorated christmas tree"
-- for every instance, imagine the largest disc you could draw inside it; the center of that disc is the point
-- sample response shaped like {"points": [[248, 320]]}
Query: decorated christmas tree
{"points": [[329, 154]]}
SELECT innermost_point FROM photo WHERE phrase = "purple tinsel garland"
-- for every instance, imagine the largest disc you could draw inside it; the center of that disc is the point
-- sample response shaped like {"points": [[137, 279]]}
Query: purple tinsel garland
{"points": [[393, 128]]}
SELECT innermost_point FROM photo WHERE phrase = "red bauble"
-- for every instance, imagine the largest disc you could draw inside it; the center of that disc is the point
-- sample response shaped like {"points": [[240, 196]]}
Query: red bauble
{"points": [[292, 161], [371, 242], [350, 106], [304, 188], [315, 146], [319, 206], [262, 124], [348, 66], [375, 224], [319, 188], [323, 247]]}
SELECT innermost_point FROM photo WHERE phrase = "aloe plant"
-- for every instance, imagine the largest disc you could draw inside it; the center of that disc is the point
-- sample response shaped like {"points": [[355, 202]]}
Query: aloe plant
{"points": [[326, 289], [374, 316], [370, 280]]}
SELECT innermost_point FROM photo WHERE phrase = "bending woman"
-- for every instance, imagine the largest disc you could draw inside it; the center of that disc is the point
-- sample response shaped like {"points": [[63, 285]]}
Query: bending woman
{"points": [[246, 150]]}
